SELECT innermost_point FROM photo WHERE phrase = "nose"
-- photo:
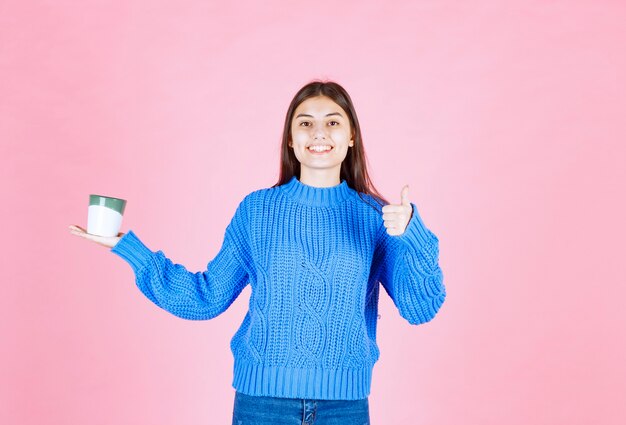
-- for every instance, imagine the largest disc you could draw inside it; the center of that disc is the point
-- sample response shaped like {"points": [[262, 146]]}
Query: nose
{"points": [[319, 132]]}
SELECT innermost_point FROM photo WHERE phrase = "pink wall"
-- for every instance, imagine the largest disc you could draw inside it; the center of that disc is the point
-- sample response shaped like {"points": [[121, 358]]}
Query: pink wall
{"points": [[505, 119]]}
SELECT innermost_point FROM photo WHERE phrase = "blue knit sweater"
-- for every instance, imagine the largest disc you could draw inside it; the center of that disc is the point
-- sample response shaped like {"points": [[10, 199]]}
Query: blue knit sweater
{"points": [[314, 258]]}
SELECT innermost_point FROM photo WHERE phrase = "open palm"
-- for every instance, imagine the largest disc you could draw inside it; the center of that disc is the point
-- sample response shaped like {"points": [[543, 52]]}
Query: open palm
{"points": [[108, 241]]}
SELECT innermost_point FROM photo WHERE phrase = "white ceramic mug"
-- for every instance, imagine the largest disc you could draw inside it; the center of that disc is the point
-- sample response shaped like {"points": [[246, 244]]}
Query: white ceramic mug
{"points": [[105, 213]]}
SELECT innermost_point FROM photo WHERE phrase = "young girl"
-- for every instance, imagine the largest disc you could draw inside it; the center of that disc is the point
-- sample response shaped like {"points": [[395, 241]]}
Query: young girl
{"points": [[314, 248]]}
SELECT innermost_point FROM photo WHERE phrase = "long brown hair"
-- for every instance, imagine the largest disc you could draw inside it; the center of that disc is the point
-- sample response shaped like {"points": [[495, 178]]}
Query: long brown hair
{"points": [[354, 166]]}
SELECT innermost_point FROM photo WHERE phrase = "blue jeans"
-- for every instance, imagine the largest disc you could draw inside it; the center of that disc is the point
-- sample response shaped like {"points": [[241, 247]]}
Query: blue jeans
{"points": [[256, 410]]}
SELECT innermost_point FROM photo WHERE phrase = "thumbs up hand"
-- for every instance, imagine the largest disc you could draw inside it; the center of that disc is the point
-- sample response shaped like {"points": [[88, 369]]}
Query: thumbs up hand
{"points": [[397, 217]]}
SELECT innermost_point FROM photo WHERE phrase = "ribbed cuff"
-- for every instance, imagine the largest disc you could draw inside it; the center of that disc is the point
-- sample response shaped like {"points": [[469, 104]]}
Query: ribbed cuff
{"points": [[132, 250], [416, 233]]}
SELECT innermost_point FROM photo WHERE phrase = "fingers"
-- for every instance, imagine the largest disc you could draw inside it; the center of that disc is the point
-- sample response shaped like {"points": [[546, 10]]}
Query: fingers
{"points": [[393, 208], [401, 216], [79, 231], [390, 224], [397, 216], [105, 241], [394, 232], [404, 202]]}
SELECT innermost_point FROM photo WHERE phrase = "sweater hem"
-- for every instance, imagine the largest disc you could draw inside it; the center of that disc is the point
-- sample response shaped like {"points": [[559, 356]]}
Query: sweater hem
{"points": [[309, 383]]}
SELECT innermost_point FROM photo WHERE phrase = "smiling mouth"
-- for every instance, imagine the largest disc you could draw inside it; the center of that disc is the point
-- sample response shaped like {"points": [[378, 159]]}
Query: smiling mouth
{"points": [[319, 149]]}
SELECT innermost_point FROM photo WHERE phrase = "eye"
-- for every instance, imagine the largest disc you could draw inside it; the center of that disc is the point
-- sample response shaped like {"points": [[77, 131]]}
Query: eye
{"points": [[336, 122], [304, 122]]}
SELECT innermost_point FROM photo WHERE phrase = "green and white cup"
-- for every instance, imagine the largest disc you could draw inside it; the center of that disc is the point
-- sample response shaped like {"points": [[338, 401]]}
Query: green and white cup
{"points": [[105, 215]]}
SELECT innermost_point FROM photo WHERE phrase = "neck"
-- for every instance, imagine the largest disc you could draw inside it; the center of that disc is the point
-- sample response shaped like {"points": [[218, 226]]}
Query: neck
{"points": [[320, 178]]}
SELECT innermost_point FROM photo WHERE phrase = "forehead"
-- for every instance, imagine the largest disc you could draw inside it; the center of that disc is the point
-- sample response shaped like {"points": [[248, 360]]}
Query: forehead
{"points": [[319, 105]]}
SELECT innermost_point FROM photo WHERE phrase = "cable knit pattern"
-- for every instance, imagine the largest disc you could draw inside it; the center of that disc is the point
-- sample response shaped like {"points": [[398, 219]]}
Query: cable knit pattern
{"points": [[313, 257]]}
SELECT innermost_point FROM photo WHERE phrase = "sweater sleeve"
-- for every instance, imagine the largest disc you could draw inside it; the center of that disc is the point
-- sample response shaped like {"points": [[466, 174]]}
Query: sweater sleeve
{"points": [[407, 266], [188, 295]]}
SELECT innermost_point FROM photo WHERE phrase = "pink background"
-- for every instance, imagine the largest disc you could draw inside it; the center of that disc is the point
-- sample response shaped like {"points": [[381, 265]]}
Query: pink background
{"points": [[505, 118]]}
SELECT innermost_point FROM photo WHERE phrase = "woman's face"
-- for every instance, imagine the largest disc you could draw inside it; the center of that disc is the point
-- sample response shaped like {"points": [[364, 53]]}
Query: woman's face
{"points": [[320, 122]]}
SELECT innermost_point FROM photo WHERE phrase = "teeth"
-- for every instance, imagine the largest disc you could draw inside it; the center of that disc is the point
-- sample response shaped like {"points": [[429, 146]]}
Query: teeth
{"points": [[320, 148]]}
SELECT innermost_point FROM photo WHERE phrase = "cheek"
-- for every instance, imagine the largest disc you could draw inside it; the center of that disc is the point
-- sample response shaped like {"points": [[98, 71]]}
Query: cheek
{"points": [[299, 136], [340, 135]]}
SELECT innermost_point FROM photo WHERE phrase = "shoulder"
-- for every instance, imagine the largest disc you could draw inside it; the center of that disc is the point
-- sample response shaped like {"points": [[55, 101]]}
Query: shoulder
{"points": [[258, 195], [257, 198]]}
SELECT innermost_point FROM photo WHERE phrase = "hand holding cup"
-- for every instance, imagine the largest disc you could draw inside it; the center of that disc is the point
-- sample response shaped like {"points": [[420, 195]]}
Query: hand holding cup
{"points": [[104, 220], [108, 241]]}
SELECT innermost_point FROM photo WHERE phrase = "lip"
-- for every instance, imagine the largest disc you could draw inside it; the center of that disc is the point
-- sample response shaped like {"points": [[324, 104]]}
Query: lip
{"points": [[320, 153]]}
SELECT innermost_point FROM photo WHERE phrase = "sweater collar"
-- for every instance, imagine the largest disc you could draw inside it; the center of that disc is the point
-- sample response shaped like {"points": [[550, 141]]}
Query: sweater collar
{"points": [[317, 196]]}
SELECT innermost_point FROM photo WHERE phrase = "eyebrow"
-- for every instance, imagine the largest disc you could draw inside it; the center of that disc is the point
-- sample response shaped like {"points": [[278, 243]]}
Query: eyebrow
{"points": [[328, 115]]}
